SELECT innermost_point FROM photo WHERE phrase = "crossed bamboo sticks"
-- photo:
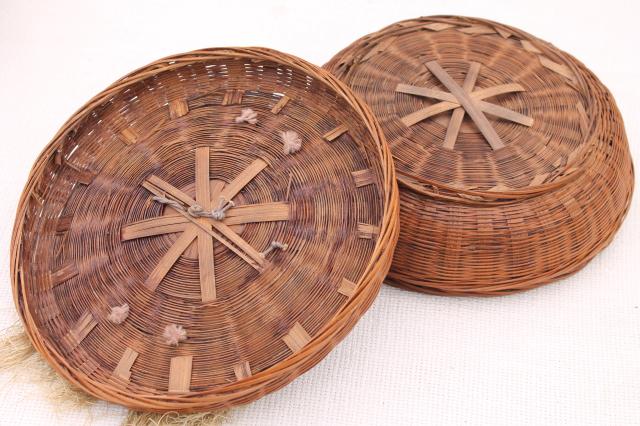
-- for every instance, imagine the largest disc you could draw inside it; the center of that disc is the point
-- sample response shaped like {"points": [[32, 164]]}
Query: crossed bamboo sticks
{"points": [[464, 100], [205, 229]]}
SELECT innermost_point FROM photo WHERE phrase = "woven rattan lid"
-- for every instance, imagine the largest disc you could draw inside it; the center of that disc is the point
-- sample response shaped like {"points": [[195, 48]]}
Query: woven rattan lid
{"points": [[204, 230], [510, 152]]}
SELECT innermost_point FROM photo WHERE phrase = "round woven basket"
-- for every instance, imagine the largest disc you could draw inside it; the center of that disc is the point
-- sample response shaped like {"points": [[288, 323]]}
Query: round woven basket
{"points": [[204, 230], [512, 156]]}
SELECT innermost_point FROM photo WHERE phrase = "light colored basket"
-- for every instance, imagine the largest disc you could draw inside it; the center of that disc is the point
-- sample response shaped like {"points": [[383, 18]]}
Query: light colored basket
{"points": [[512, 156], [243, 253]]}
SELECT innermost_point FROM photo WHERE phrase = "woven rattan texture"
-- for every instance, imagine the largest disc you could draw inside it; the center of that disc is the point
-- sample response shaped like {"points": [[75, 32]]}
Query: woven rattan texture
{"points": [[530, 197], [262, 288]]}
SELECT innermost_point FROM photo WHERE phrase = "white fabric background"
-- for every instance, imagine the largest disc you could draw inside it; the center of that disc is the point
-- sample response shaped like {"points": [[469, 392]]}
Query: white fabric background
{"points": [[567, 353]]}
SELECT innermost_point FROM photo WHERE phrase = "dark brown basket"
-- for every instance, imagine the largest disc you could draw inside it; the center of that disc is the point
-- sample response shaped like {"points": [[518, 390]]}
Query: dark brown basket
{"points": [[175, 250], [512, 156]]}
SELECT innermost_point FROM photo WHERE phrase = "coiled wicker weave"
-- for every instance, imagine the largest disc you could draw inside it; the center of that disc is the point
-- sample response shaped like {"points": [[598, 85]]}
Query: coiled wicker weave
{"points": [[204, 230], [512, 156]]}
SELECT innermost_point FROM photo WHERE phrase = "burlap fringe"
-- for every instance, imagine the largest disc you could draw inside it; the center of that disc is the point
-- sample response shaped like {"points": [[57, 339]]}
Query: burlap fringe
{"points": [[17, 353], [135, 418], [15, 347]]}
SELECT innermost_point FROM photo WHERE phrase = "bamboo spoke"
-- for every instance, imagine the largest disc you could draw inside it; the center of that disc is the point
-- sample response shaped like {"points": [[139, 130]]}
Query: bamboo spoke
{"points": [[154, 226], [203, 195], [160, 187], [206, 262], [506, 113], [170, 258], [239, 242], [230, 190], [430, 111], [458, 113], [254, 213]]}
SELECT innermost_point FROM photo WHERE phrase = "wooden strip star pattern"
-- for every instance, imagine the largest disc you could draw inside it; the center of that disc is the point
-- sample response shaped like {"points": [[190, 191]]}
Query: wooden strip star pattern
{"points": [[206, 230], [464, 100]]}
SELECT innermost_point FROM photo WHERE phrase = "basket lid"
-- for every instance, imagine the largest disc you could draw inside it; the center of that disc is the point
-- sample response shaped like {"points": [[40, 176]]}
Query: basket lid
{"points": [[204, 230], [471, 109]]}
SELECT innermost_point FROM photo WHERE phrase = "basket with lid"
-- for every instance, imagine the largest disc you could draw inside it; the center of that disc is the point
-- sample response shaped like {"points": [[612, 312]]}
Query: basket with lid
{"points": [[511, 155]]}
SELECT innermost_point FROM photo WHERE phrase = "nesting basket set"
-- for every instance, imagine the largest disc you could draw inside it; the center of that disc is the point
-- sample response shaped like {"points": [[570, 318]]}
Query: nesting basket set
{"points": [[210, 226]]}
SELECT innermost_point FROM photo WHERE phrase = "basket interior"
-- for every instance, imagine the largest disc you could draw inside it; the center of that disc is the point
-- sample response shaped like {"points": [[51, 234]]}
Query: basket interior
{"points": [[76, 262]]}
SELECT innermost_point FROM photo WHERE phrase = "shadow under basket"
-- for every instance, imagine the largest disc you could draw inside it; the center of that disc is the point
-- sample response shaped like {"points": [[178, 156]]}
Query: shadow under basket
{"points": [[204, 230], [512, 158]]}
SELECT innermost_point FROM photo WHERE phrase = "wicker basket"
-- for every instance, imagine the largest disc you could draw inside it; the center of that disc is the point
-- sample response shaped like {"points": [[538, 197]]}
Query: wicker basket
{"points": [[512, 156], [204, 231]]}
